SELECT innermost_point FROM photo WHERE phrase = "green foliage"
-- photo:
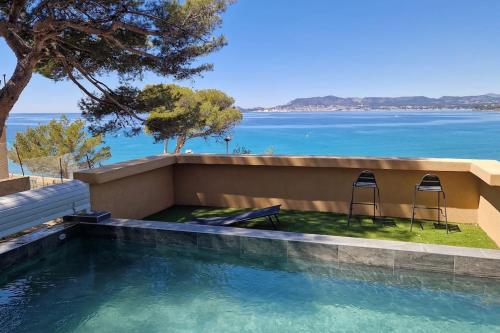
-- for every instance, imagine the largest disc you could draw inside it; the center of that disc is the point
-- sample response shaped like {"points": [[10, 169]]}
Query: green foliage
{"points": [[82, 41], [104, 116], [128, 37], [241, 150], [269, 150], [167, 111], [41, 147], [173, 111], [179, 112]]}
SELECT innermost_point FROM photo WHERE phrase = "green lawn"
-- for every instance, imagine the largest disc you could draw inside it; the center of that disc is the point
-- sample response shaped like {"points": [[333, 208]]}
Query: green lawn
{"points": [[336, 224]]}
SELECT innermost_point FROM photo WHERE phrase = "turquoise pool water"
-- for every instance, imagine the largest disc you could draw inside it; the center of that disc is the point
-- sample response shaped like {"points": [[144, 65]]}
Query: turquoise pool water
{"points": [[102, 286]]}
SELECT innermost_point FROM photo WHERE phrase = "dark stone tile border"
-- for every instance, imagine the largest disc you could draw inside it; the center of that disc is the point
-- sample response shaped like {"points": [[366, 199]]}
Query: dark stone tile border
{"points": [[34, 244], [262, 245], [289, 246]]}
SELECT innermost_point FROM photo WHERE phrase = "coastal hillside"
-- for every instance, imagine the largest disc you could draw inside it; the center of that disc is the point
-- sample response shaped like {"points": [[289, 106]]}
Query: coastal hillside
{"points": [[333, 103]]}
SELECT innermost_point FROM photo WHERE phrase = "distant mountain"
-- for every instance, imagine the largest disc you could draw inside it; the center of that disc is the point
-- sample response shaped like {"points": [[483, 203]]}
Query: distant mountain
{"points": [[334, 103], [250, 109]]}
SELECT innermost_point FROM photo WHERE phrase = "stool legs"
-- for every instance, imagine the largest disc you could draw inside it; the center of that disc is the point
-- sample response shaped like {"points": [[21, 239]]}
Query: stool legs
{"points": [[439, 211], [439, 207], [445, 212], [379, 207], [376, 206], [413, 208], [350, 207]]}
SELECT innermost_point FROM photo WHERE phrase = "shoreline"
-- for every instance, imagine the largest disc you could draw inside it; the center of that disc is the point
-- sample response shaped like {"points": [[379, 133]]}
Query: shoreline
{"points": [[244, 110], [375, 110]]}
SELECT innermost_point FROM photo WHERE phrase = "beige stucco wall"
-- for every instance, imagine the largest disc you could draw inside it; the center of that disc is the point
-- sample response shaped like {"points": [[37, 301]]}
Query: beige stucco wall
{"points": [[489, 210], [14, 185], [138, 188], [4, 171], [131, 190], [318, 189]]}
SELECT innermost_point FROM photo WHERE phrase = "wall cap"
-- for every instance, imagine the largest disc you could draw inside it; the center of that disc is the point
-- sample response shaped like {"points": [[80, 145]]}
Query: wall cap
{"points": [[486, 170], [120, 170]]}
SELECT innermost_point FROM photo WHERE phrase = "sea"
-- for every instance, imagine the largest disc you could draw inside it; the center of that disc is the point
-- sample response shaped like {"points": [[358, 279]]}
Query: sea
{"points": [[394, 133]]}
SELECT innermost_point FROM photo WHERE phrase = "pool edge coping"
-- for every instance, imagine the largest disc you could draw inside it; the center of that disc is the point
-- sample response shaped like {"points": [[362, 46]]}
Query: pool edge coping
{"points": [[34, 244], [392, 254], [286, 245]]}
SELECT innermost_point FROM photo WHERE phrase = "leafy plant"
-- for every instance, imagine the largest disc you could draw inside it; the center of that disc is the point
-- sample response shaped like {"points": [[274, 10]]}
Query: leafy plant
{"points": [[241, 150], [81, 41], [44, 149], [184, 114], [269, 150], [172, 112]]}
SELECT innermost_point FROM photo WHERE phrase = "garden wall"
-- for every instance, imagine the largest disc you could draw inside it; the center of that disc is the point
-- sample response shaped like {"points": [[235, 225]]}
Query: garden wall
{"points": [[138, 188], [14, 185], [133, 189]]}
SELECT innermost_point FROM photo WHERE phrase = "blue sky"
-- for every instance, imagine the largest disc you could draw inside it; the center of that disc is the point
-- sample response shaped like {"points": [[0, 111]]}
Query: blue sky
{"points": [[282, 49]]}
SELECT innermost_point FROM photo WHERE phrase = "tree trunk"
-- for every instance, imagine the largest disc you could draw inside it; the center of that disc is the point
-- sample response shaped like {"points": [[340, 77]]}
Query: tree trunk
{"points": [[4, 169], [10, 93], [181, 140], [165, 147]]}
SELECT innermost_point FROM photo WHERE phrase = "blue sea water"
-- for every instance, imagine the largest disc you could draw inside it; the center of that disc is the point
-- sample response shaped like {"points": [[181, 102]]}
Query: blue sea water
{"points": [[434, 133]]}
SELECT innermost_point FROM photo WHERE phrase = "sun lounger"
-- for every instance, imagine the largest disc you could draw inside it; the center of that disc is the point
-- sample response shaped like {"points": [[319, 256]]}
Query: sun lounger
{"points": [[269, 213]]}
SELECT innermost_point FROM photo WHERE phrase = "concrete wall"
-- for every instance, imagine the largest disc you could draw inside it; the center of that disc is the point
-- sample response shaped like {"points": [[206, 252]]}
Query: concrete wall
{"points": [[142, 187], [4, 170], [489, 210], [133, 189], [319, 189], [14, 185]]}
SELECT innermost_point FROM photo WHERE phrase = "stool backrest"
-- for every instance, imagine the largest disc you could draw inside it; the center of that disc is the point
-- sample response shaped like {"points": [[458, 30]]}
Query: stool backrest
{"points": [[430, 182], [365, 178]]}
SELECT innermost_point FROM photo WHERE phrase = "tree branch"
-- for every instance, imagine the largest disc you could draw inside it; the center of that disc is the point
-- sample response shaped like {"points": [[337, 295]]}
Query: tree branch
{"points": [[79, 48], [69, 72], [15, 10], [98, 84], [105, 32], [132, 50], [16, 43]]}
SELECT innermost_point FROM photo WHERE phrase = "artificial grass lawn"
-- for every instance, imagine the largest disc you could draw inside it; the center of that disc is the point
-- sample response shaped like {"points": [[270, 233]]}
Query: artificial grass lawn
{"points": [[325, 223]]}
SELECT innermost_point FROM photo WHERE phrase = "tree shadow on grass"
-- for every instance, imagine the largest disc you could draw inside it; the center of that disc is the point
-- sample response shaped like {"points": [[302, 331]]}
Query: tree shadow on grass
{"points": [[327, 223], [336, 224]]}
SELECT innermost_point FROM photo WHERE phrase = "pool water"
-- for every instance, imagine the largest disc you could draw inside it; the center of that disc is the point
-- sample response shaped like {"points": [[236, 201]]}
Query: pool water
{"points": [[105, 286]]}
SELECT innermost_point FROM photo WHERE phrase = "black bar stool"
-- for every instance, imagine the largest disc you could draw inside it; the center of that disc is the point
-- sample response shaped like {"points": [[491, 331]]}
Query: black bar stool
{"points": [[430, 183], [365, 180]]}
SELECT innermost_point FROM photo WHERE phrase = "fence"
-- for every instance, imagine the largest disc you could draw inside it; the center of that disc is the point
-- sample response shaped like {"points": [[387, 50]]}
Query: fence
{"points": [[61, 166], [47, 170]]}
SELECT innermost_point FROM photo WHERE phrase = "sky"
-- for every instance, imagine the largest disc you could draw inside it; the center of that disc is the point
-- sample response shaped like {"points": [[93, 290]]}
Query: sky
{"points": [[284, 49]]}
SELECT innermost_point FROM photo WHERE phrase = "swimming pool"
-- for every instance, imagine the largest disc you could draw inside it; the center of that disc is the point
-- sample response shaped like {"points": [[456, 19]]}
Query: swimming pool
{"points": [[101, 285]]}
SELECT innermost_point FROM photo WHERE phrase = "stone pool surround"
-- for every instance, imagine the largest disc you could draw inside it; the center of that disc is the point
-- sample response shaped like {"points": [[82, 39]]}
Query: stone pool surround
{"points": [[138, 188], [247, 243], [34, 245]]}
